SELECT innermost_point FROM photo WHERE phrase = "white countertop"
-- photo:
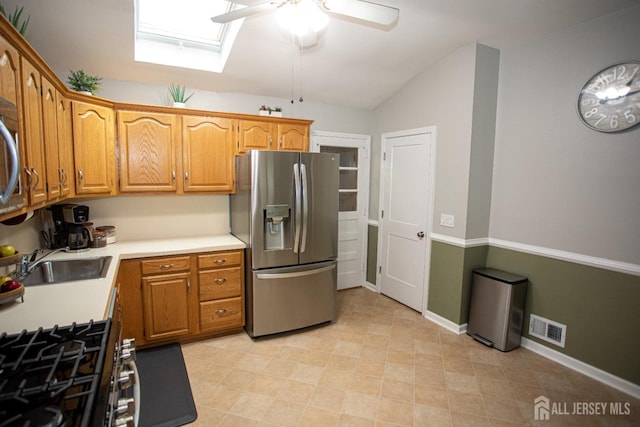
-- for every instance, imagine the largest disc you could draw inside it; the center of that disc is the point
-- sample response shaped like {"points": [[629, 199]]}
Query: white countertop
{"points": [[81, 301]]}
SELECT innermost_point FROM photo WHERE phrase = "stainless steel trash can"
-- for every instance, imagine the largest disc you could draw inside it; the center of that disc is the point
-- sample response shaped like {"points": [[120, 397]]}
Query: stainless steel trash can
{"points": [[496, 312]]}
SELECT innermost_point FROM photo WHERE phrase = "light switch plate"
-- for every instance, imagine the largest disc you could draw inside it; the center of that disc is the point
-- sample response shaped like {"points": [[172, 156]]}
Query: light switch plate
{"points": [[447, 220]]}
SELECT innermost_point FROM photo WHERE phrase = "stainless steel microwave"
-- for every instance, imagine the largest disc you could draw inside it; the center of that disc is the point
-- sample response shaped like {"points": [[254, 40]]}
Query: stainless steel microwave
{"points": [[10, 185]]}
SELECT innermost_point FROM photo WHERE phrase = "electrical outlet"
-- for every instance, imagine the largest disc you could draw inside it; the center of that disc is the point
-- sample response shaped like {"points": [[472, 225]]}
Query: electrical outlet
{"points": [[447, 220]]}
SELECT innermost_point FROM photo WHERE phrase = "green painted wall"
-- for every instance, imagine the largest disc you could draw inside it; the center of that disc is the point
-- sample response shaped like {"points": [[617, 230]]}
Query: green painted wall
{"points": [[599, 307], [450, 279], [372, 253]]}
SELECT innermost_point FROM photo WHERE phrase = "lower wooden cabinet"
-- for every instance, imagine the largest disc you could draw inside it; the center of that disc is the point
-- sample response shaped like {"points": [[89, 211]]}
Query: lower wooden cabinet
{"points": [[182, 297]]}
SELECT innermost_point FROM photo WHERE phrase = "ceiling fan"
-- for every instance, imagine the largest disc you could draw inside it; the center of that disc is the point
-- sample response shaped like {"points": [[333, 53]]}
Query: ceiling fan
{"points": [[361, 10]]}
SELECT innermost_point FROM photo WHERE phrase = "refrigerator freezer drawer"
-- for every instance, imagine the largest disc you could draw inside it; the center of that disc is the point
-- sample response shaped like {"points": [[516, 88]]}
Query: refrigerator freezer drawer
{"points": [[285, 299]]}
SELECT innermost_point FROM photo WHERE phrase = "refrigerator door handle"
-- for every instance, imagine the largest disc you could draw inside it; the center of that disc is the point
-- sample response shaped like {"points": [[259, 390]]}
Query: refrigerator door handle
{"points": [[296, 273], [305, 205], [298, 196]]}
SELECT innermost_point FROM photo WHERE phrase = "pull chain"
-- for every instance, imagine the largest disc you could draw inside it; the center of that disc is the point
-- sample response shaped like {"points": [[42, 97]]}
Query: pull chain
{"points": [[293, 66]]}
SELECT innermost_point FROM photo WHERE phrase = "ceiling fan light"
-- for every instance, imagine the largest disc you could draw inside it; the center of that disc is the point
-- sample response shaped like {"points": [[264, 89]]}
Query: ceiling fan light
{"points": [[301, 18]]}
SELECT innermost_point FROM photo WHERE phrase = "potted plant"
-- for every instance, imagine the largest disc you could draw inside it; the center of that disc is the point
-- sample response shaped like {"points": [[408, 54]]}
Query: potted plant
{"points": [[14, 19], [270, 111], [84, 83], [178, 95]]}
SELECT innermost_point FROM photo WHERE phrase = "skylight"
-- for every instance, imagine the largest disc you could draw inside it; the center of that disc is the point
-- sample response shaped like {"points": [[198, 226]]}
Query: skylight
{"points": [[181, 34]]}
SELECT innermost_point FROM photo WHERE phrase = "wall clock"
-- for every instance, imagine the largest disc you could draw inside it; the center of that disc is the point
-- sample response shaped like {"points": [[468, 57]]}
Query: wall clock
{"points": [[610, 100]]}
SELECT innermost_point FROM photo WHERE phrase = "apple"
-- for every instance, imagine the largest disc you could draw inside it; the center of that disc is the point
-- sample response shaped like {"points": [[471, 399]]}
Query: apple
{"points": [[9, 285], [4, 279], [7, 250]]}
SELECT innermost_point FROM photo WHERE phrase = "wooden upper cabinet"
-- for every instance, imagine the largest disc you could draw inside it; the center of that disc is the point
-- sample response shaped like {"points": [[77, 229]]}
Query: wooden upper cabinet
{"points": [[65, 145], [148, 144], [208, 154], [256, 135], [94, 149], [10, 90], [293, 137], [51, 144], [9, 72], [270, 135], [34, 166]]}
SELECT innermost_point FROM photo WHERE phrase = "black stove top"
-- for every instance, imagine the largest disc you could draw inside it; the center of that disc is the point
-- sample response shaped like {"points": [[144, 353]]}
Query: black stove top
{"points": [[52, 377]]}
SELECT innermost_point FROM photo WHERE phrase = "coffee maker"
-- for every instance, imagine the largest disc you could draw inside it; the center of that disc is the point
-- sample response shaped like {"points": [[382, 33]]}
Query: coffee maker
{"points": [[67, 228]]}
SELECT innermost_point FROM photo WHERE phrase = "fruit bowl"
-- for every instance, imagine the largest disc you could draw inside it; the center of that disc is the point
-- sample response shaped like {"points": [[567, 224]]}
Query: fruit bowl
{"points": [[7, 297], [6, 260]]}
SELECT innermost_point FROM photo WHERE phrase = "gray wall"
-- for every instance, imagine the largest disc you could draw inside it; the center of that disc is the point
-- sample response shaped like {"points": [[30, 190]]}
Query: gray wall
{"points": [[558, 184], [440, 96], [326, 117]]}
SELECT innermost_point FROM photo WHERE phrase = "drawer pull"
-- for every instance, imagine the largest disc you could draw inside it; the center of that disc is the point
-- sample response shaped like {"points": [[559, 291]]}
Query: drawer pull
{"points": [[166, 266], [220, 281], [221, 311], [220, 261]]}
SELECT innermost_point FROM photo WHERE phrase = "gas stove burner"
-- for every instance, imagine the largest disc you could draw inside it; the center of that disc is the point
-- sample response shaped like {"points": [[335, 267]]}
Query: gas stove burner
{"points": [[44, 416], [57, 377], [66, 350]]}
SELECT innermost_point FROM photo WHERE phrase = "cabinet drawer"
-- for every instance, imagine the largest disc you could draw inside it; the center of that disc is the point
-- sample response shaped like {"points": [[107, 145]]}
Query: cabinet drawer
{"points": [[165, 265], [221, 314], [220, 283], [220, 259]]}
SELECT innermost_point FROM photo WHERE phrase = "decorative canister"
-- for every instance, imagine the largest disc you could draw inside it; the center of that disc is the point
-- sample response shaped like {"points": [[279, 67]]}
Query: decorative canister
{"points": [[98, 239], [110, 233]]}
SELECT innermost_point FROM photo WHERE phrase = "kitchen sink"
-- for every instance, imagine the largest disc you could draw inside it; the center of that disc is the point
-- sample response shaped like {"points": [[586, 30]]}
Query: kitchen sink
{"points": [[68, 270]]}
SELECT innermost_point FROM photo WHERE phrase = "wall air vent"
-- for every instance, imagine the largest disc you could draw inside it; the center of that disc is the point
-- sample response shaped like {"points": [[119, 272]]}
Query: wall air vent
{"points": [[547, 330]]}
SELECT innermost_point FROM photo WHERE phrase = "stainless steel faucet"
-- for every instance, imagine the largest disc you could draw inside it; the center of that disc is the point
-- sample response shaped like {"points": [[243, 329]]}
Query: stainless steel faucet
{"points": [[28, 263]]}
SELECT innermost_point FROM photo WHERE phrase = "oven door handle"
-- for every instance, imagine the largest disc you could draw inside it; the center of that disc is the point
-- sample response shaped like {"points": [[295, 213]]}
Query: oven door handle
{"points": [[15, 166], [136, 391]]}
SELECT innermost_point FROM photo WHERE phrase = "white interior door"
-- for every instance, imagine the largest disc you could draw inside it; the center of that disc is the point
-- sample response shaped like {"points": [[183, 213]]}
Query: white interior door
{"points": [[405, 216], [354, 201]]}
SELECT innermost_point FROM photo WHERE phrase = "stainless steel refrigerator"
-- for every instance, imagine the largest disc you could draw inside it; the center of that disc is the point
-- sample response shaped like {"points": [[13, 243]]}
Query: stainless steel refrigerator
{"points": [[286, 211]]}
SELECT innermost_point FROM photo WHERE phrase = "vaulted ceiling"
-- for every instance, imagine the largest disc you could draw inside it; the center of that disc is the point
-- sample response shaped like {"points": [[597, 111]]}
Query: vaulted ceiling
{"points": [[352, 64]]}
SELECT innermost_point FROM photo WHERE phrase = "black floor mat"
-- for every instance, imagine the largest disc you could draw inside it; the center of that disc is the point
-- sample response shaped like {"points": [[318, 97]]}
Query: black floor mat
{"points": [[165, 392]]}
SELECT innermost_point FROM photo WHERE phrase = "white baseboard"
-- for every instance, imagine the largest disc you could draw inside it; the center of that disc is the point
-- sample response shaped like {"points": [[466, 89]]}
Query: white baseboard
{"points": [[445, 323], [583, 368]]}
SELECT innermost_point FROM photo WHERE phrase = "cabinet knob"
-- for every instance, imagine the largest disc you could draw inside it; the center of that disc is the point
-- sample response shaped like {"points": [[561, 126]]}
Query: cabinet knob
{"points": [[221, 311], [80, 175], [220, 261], [166, 266], [220, 281]]}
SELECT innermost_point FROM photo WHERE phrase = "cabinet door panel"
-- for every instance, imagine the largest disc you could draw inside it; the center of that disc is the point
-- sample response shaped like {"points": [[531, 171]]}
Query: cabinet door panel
{"points": [[148, 151], [166, 305], [51, 145], [65, 145], [34, 166], [208, 156], [9, 72], [94, 148], [256, 135], [293, 137]]}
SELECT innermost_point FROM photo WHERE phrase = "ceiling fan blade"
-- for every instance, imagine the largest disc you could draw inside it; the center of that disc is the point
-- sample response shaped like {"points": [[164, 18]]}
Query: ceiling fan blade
{"points": [[244, 12], [363, 10]]}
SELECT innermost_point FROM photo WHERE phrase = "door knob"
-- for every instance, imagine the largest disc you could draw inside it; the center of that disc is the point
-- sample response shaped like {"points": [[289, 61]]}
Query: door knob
{"points": [[421, 234]]}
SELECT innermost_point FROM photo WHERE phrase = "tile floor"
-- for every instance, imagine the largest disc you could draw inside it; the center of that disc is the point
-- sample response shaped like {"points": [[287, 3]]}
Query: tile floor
{"points": [[382, 364]]}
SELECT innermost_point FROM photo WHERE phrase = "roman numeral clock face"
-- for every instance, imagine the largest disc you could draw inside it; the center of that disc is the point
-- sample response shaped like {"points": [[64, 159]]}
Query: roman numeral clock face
{"points": [[610, 100]]}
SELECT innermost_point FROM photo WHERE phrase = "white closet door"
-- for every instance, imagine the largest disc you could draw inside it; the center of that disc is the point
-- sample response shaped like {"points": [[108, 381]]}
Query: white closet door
{"points": [[354, 202]]}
